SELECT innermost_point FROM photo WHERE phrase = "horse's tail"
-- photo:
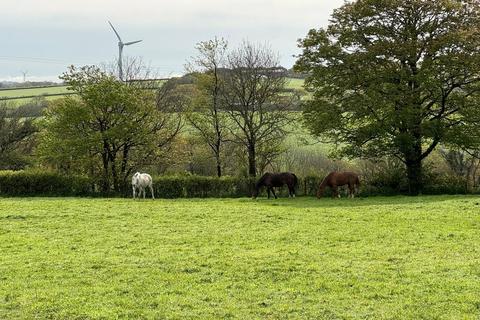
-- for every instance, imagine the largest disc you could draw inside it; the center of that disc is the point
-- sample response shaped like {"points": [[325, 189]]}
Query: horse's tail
{"points": [[357, 184], [295, 180]]}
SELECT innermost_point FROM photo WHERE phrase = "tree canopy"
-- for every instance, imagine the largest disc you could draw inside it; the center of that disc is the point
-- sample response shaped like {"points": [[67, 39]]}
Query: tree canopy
{"points": [[108, 129], [394, 78]]}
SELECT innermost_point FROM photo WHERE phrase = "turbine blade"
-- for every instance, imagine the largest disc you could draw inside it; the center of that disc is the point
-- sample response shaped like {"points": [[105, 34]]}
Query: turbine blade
{"points": [[111, 25], [132, 42]]}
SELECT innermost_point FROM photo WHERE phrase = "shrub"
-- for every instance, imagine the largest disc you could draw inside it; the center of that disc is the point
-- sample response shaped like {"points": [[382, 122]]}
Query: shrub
{"points": [[34, 183]]}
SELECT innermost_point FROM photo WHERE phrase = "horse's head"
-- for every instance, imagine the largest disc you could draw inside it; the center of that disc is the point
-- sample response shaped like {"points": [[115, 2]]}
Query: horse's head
{"points": [[320, 191]]}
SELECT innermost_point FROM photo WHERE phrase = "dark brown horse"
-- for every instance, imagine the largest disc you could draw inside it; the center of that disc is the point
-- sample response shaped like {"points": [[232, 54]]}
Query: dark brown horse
{"points": [[271, 180], [337, 179]]}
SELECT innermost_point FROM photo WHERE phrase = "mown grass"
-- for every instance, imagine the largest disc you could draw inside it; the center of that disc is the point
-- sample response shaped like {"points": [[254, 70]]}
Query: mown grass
{"points": [[382, 258]]}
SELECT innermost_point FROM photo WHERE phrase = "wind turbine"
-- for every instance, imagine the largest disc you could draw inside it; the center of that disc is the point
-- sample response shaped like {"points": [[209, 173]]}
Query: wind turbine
{"points": [[121, 44], [24, 75]]}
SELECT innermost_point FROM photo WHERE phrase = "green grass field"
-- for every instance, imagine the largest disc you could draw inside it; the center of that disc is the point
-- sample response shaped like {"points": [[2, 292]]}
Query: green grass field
{"points": [[376, 258], [292, 83], [32, 92]]}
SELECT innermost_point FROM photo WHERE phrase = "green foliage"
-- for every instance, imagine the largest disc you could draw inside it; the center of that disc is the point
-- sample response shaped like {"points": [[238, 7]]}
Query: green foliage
{"points": [[107, 130], [375, 258], [202, 187], [41, 183], [394, 78]]}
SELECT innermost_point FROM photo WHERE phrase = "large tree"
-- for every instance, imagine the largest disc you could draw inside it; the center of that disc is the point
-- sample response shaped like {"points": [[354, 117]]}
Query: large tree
{"points": [[394, 78], [206, 114], [108, 129], [252, 94]]}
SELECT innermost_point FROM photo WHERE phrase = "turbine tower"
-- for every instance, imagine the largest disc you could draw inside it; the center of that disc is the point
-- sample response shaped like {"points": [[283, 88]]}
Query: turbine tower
{"points": [[121, 44], [24, 75]]}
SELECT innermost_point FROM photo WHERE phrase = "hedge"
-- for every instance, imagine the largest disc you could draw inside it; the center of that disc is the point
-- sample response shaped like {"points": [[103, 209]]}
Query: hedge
{"points": [[35, 183], [201, 187]]}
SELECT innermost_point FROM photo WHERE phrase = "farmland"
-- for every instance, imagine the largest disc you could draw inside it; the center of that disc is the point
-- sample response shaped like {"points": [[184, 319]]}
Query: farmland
{"points": [[26, 92], [395, 258], [292, 83]]}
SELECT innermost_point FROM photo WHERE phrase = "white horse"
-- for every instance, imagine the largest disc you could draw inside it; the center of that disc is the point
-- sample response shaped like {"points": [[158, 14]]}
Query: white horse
{"points": [[140, 181]]}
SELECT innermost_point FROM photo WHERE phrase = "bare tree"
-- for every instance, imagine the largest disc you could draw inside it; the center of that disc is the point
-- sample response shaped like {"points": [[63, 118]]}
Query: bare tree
{"points": [[15, 130], [136, 72], [464, 163], [205, 114], [252, 95]]}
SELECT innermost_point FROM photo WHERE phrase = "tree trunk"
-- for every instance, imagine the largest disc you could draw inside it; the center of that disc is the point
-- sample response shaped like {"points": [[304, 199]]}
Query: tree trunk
{"points": [[414, 175], [106, 176], [123, 169], [252, 164], [218, 158], [413, 157], [219, 169]]}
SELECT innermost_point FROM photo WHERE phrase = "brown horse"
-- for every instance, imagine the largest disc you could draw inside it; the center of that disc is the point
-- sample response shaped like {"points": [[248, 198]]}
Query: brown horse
{"points": [[337, 179], [271, 180]]}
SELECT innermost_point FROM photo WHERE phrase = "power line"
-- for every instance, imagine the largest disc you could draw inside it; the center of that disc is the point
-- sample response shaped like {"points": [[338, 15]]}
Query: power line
{"points": [[36, 60]]}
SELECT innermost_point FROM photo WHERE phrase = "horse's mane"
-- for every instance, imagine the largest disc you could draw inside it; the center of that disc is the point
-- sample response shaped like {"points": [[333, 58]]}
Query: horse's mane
{"points": [[325, 180]]}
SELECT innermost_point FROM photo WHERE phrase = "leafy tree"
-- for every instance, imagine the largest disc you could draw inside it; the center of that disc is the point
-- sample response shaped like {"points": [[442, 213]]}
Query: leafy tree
{"points": [[108, 129], [394, 77], [205, 114], [254, 102]]}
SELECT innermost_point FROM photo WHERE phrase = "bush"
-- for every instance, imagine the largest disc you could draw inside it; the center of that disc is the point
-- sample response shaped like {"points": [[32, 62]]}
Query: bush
{"points": [[201, 187], [35, 183]]}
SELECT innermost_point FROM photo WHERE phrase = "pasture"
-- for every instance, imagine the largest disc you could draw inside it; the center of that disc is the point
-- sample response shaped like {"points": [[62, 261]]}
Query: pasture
{"points": [[26, 92], [382, 258], [291, 83]]}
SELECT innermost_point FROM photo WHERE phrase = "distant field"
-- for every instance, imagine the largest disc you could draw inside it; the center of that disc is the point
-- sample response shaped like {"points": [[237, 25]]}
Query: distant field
{"points": [[31, 92], [373, 258], [291, 84], [294, 83]]}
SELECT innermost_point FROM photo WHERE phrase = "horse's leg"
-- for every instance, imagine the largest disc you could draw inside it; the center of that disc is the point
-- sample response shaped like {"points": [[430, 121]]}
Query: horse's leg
{"points": [[143, 190], [291, 190], [133, 188], [151, 190], [273, 191], [268, 192], [335, 193]]}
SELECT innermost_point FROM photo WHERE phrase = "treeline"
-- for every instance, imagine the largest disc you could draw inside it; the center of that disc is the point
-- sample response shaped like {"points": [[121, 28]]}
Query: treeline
{"points": [[397, 105]]}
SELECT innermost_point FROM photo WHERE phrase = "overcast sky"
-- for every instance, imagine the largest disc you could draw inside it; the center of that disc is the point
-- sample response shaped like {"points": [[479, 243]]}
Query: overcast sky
{"points": [[43, 37]]}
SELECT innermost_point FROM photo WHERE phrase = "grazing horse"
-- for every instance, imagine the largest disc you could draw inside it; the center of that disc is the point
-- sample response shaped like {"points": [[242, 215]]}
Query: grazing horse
{"points": [[271, 180], [337, 179], [140, 181]]}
